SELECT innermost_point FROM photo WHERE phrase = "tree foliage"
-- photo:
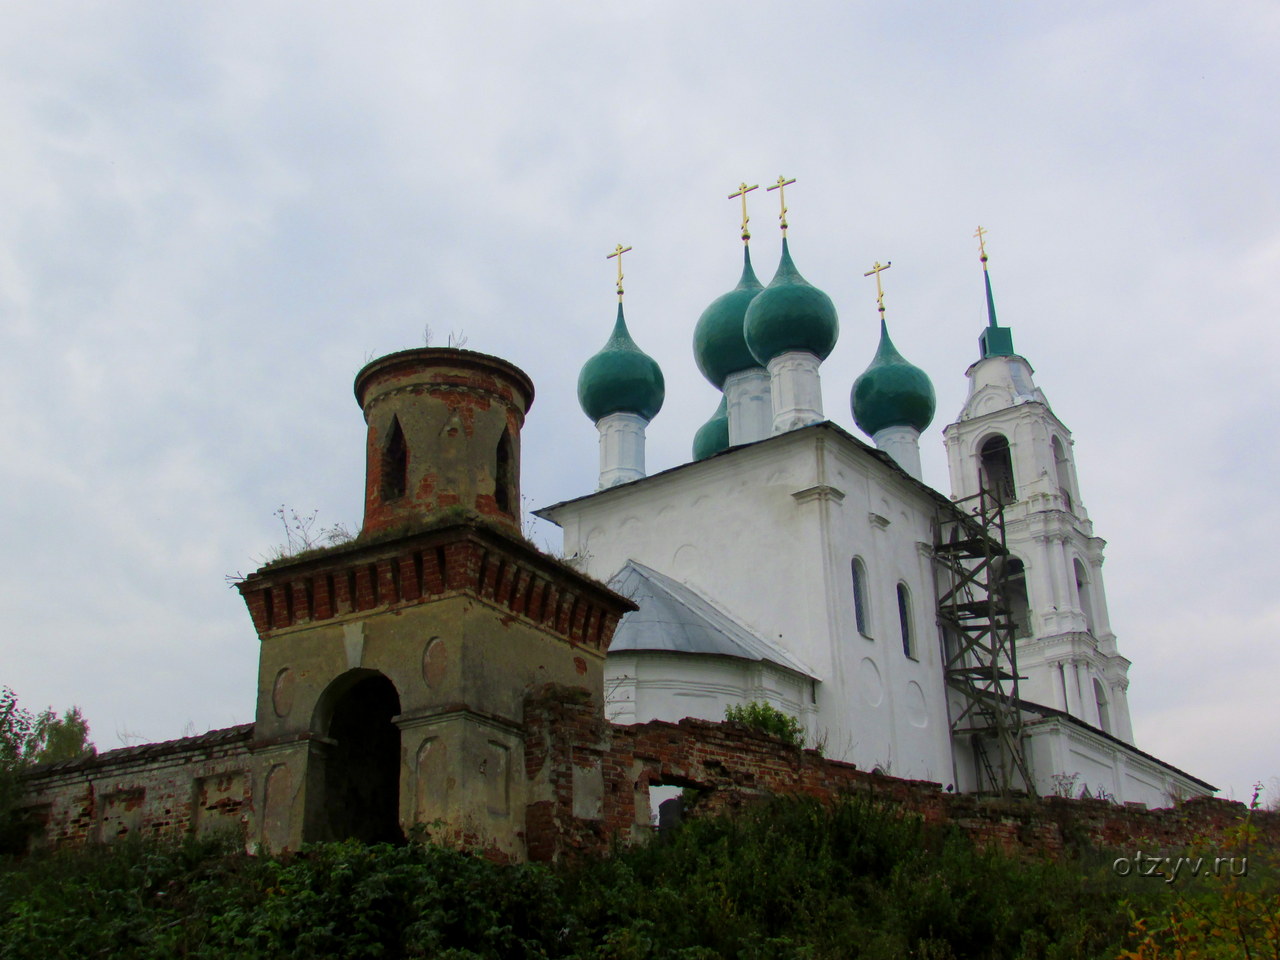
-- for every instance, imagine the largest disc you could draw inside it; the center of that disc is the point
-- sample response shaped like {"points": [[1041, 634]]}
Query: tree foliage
{"points": [[27, 739]]}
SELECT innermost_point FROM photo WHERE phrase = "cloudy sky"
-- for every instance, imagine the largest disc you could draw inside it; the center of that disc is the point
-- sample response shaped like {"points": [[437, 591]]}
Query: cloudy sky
{"points": [[212, 215]]}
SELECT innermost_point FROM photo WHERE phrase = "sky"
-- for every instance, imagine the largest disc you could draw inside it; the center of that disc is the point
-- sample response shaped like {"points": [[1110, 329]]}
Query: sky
{"points": [[212, 215]]}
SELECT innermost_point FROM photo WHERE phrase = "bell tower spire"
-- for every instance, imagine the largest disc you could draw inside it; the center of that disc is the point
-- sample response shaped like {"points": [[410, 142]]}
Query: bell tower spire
{"points": [[1008, 441]]}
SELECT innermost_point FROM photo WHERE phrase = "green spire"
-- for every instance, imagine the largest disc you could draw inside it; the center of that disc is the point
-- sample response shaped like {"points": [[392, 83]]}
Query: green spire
{"points": [[892, 392], [719, 346], [713, 436], [621, 378], [995, 340]]}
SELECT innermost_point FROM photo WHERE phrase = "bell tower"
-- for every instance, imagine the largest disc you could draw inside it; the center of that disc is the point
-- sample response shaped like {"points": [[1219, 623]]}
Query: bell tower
{"points": [[393, 669], [1009, 441]]}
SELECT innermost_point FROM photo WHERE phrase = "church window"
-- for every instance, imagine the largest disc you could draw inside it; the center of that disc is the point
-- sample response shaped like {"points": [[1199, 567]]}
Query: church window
{"points": [[1104, 713], [395, 463], [503, 476], [860, 596], [1082, 593], [904, 621], [1062, 470], [996, 469], [1015, 593]]}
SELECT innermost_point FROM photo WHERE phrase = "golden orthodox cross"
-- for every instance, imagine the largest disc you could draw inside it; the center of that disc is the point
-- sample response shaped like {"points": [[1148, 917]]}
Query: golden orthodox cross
{"points": [[878, 269], [618, 251], [982, 246], [782, 199], [743, 190]]}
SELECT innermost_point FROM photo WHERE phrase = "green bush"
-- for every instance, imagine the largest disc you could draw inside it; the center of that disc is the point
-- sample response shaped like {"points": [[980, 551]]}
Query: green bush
{"points": [[767, 718]]}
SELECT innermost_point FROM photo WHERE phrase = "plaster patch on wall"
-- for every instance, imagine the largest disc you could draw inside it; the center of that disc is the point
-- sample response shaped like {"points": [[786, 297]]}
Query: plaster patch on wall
{"points": [[435, 661], [353, 641], [282, 692]]}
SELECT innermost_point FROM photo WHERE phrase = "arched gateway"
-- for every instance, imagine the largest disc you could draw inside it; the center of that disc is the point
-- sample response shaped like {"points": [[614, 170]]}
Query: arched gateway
{"points": [[358, 762]]}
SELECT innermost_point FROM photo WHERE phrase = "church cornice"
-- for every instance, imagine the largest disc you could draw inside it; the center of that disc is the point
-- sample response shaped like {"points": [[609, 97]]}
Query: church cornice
{"points": [[466, 559]]}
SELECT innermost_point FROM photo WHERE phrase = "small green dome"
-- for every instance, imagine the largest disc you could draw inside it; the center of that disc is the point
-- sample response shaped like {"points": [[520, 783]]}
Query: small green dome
{"points": [[718, 342], [713, 436], [621, 378], [790, 314], [892, 392]]}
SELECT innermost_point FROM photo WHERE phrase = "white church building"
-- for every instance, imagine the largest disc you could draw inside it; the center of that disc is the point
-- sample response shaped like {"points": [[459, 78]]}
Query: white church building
{"points": [[793, 563]]}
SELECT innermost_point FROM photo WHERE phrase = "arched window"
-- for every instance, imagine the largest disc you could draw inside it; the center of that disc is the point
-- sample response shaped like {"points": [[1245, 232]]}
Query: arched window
{"points": [[996, 469], [1104, 713], [860, 597], [1062, 470], [504, 474], [1082, 594], [395, 463], [1015, 591], [904, 621]]}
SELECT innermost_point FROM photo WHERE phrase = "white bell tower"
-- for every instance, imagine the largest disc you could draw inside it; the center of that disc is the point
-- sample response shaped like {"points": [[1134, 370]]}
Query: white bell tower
{"points": [[1009, 440]]}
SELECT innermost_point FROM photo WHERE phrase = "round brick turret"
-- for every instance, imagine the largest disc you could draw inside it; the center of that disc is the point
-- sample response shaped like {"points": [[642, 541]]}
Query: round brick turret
{"points": [[444, 437]]}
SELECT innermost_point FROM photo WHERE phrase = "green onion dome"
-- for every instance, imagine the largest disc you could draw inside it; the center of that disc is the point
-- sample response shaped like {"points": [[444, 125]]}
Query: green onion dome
{"points": [[790, 314], [892, 392], [621, 378], [718, 342], [713, 436]]}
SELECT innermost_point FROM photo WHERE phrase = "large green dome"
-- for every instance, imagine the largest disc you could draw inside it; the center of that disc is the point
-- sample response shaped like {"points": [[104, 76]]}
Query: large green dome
{"points": [[713, 436], [621, 378], [790, 314], [892, 392], [719, 346]]}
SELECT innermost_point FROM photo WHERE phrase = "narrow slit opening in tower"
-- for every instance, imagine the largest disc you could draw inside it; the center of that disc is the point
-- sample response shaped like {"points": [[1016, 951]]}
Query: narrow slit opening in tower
{"points": [[395, 463], [503, 480]]}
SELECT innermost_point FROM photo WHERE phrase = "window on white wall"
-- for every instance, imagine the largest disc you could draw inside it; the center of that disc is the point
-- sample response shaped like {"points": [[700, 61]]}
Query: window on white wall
{"points": [[1104, 712], [1082, 594], [860, 597], [1063, 471], [1015, 589], [904, 621]]}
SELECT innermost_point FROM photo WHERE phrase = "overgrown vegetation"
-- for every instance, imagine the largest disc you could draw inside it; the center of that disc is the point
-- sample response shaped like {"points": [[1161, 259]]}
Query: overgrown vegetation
{"points": [[765, 717], [786, 879], [1231, 913], [27, 739]]}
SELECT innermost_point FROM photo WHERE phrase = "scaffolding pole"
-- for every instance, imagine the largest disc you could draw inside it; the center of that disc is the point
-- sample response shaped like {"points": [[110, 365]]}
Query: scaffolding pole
{"points": [[981, 650]]}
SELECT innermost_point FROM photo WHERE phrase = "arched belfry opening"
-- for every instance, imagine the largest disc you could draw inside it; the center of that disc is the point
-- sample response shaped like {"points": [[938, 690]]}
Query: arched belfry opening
{"points": [[1015, 591], [996, 469], [395, 463], [1062, 472], [358, 779], [504, 474]]}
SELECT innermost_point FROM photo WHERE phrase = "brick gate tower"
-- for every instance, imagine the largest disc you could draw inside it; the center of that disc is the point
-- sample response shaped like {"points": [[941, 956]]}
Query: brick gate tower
{"points": [[393, 668]]}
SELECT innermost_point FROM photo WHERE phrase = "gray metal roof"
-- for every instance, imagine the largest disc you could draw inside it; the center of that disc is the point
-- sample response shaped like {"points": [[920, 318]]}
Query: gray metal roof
{"points": [[675, 619]]}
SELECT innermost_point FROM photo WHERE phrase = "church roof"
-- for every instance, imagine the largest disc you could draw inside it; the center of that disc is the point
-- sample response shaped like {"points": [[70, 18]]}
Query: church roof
{"points": [[824, 427], [675, 619]]}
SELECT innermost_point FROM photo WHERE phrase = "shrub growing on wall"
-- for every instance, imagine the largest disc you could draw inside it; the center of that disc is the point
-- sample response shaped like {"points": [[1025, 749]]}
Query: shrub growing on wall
{"points": [[767, 718]]}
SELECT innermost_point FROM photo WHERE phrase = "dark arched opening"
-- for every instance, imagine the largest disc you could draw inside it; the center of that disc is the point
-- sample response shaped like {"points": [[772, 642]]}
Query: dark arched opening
{"points": [[395, 463], [359, 775], [1015, 591], [504, 476], [997, 469]]}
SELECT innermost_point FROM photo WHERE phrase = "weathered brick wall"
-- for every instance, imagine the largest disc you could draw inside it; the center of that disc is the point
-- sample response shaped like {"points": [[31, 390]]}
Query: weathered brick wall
{"points": [[573, 756], [195, 784]]}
